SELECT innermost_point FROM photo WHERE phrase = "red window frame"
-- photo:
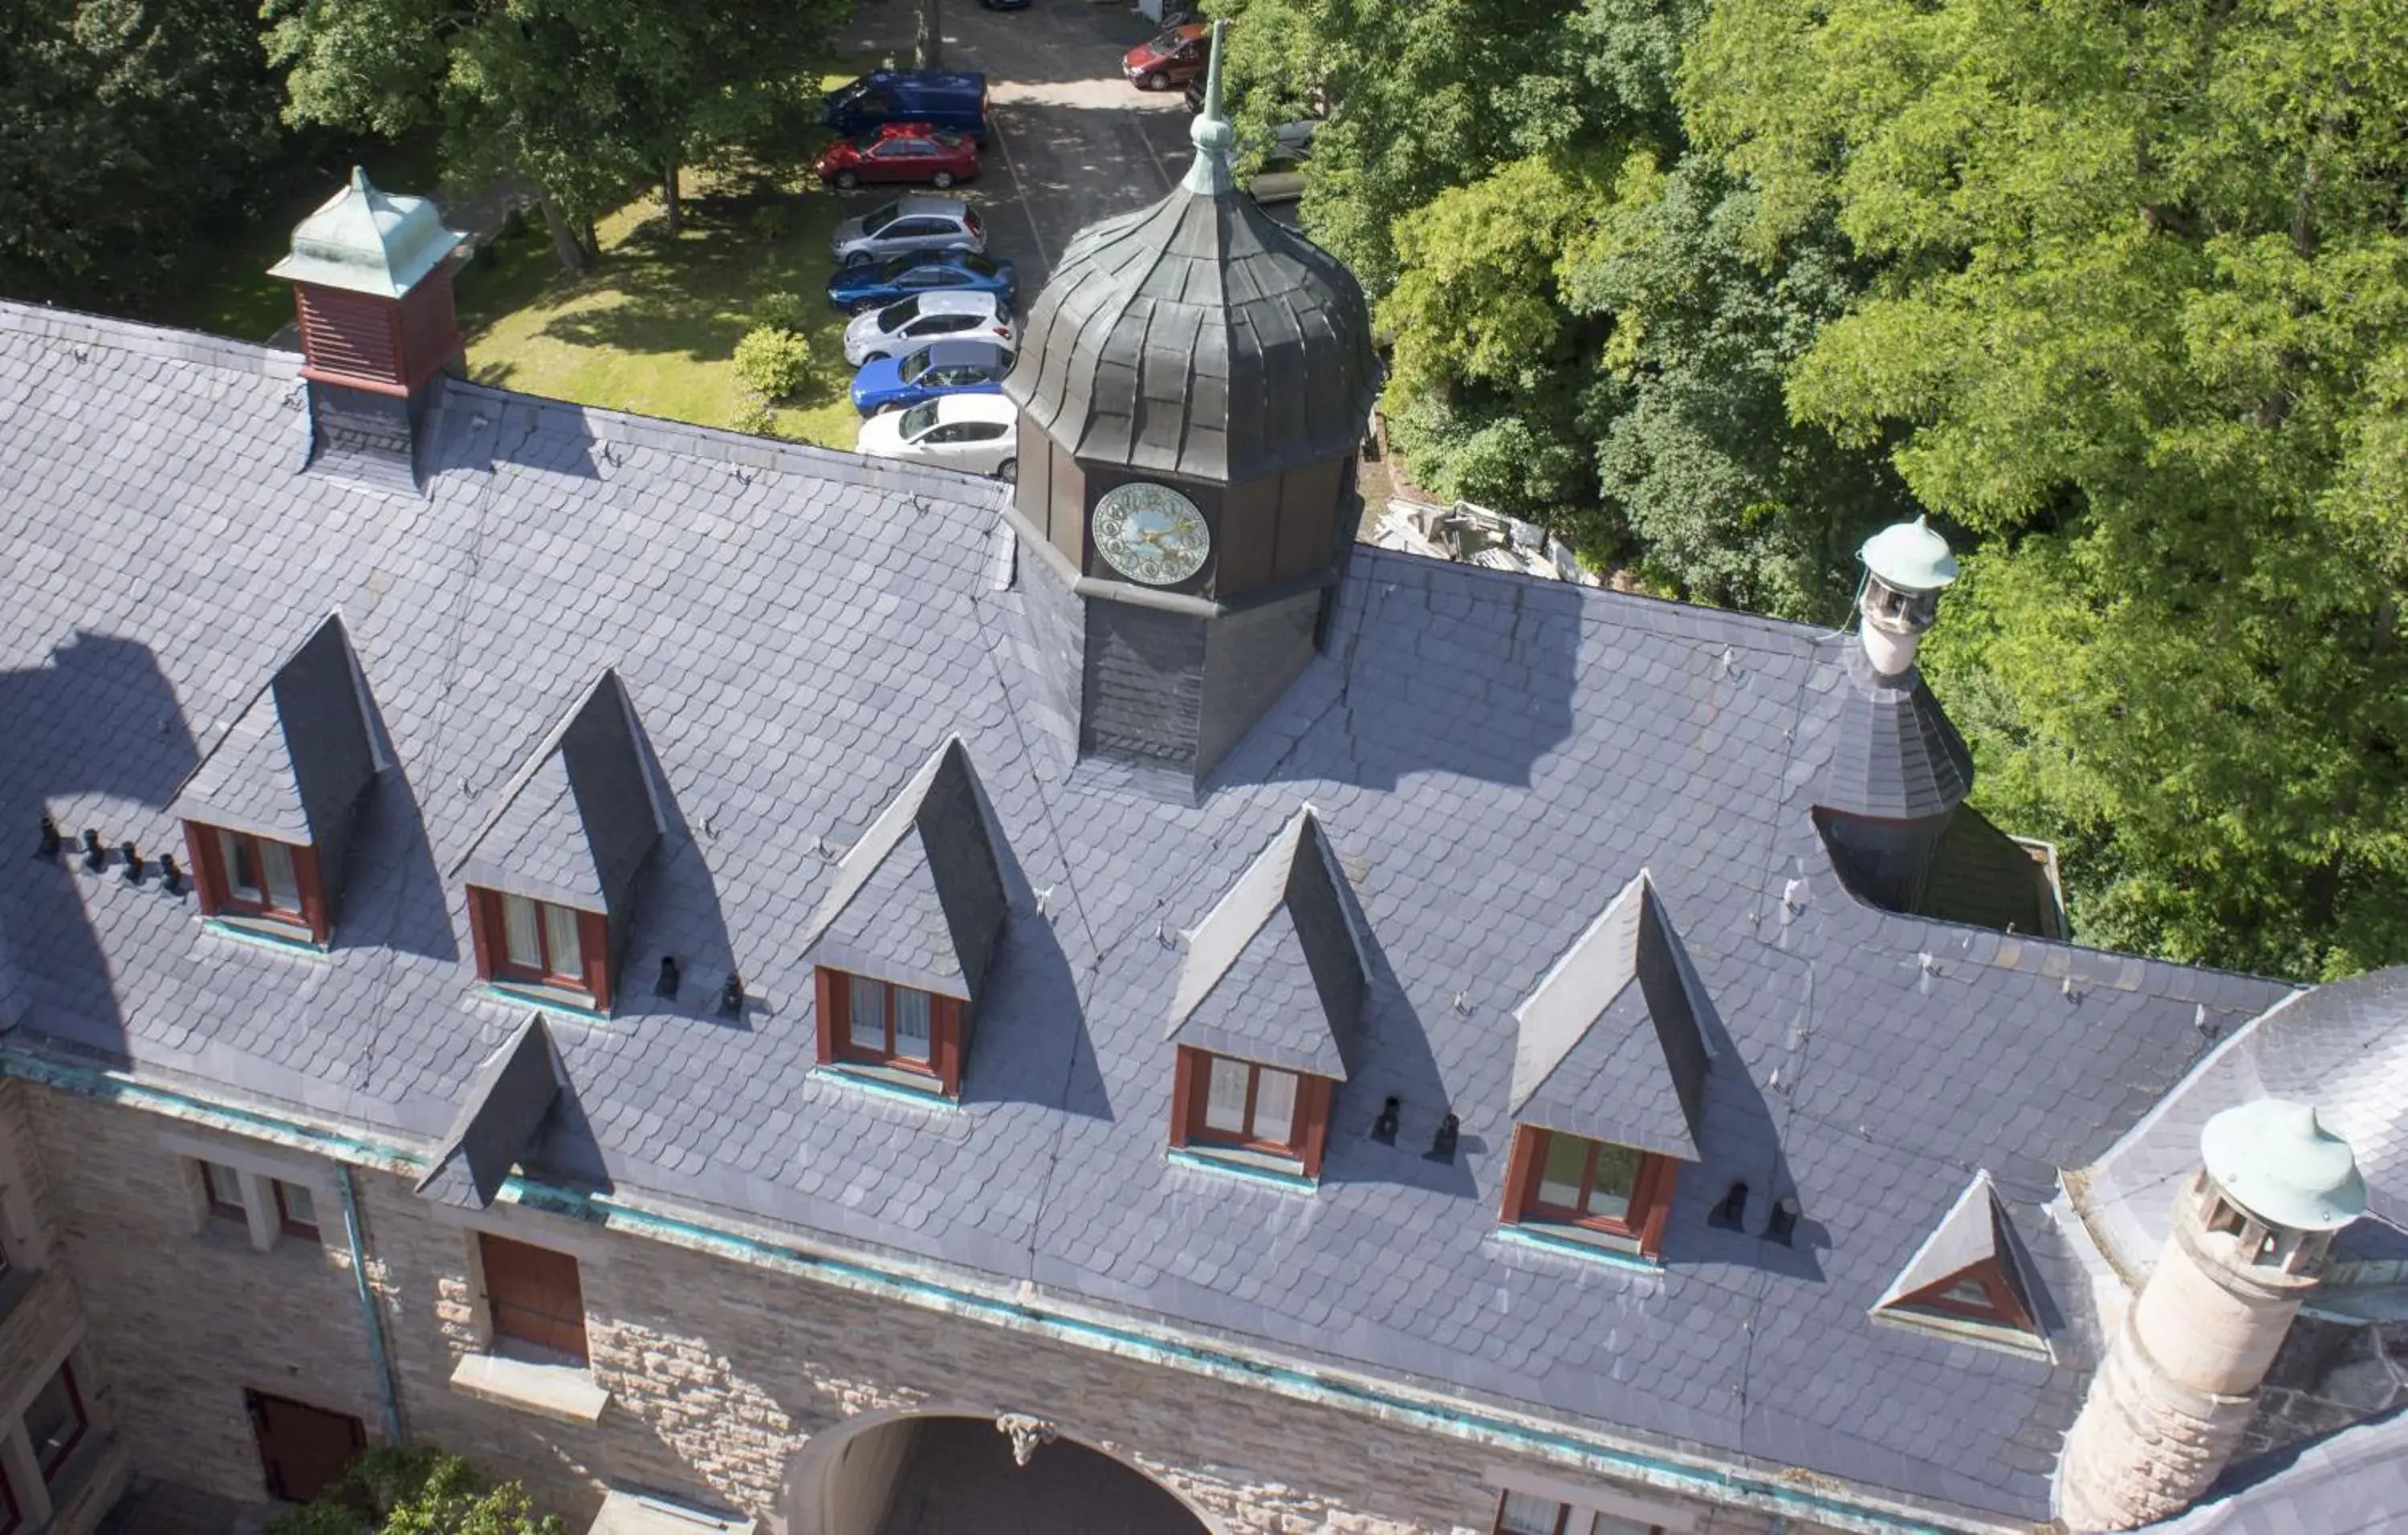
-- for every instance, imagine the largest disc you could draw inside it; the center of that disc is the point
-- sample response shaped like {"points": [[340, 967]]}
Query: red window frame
{"points": [[2004, 1308], [59, 1457], [1308, 1127], [493, 966], [289, 1224], [947, 1029], [212, 882], [220, 1208], [539, 1298], [1650, 1191]]}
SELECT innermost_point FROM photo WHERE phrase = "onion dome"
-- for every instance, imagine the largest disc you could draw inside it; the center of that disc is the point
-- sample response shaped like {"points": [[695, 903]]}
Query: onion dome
{"points": [[1910, 557], [1199, 337], [2273, 1159]]}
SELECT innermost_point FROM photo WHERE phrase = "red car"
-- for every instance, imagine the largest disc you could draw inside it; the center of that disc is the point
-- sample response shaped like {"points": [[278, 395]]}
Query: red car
{"points": [[900, 152], [1174, 58]]}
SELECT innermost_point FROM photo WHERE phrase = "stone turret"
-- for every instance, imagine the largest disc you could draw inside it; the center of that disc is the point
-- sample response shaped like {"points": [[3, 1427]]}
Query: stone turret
{"points": [[2180, 1381]]}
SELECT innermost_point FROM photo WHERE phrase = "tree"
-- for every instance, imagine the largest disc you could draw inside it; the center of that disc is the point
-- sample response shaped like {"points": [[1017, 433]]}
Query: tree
{"points": [[128, 129], [2140, 329], [583, 98], [392, 1491]]}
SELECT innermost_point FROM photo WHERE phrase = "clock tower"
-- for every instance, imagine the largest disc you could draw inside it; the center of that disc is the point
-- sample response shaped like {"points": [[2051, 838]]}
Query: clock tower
{"points": [[1193, 386]]}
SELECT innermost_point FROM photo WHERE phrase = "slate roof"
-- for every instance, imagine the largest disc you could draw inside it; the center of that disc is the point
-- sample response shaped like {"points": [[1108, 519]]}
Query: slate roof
{"points": [[1494, 757], [1607, 1046], [1201, 337], [919, 899], [579, 822], [1894, 756], [1275, 971], [2355, 1482], [2343, 1048]]}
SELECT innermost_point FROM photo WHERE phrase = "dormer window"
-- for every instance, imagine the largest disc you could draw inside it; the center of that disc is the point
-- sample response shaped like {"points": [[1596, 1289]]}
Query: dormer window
{"points": [[1251, 1113], [542, 946], [1970, 1280], [269, 813], [258, 881], [891, 1028], [1568, 1181]]}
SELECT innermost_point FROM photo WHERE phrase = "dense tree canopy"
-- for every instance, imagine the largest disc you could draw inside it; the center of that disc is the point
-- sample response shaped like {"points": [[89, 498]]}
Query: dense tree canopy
{"points": [[126, 127], [582, 98], [2141, 313]]}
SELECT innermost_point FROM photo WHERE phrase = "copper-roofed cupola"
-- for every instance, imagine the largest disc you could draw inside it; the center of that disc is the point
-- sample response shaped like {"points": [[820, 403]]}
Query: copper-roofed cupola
{"points": [[371, 278], [1193, 383]]}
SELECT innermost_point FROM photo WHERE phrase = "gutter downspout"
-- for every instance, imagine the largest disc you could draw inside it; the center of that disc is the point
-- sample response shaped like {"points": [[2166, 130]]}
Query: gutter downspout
{"points": [[387, 1396]]}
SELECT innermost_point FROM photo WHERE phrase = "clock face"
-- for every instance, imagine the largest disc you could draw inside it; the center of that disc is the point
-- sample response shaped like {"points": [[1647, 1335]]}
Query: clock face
{"points": [[1151, 532]]}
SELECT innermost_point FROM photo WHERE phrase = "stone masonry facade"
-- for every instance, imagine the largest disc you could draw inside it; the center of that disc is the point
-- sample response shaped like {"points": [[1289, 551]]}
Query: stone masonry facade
{"points": [[717, 1372]]}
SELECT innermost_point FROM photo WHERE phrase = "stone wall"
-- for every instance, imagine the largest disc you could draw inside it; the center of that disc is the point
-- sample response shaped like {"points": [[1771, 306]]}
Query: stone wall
{"points": [[717, 1372]]}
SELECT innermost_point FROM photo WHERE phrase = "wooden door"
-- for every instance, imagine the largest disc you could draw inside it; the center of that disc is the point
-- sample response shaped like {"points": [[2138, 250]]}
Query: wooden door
{"points": [[534, 1296], [303, 1450]]}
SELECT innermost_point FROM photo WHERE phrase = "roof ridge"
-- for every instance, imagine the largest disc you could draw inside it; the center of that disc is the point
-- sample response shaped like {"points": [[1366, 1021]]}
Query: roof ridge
{"points": [[145, 339]]}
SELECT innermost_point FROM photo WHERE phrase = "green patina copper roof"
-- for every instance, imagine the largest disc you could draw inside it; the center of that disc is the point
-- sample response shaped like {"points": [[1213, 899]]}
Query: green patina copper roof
{"points": [[1208, 174], [1910, 556], [2278, 1163], [367, 242]]}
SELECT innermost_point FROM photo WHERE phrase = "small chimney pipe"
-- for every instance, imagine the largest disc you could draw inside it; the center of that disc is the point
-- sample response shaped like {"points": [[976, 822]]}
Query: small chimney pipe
{"points": [[669, 977], [132, 863], [731, 995], [95, 857], [51, 840], [171, 879], [1443, 1144]]}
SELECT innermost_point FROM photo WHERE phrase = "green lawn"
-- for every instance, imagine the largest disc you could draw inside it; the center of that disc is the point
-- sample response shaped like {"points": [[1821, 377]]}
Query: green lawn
{"points": [[652, 327]]}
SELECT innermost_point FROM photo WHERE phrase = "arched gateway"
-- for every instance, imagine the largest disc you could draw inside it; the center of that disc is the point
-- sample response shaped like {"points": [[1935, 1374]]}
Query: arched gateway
{"points": [[955, 1472]]}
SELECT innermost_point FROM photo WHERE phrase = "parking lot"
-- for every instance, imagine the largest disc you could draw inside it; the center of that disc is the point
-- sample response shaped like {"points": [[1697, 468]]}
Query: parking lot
{"points": [[1071, 140]]}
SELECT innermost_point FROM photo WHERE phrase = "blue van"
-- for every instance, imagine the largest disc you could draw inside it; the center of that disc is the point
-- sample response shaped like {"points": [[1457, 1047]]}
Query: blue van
{"points": [[953, 101]]}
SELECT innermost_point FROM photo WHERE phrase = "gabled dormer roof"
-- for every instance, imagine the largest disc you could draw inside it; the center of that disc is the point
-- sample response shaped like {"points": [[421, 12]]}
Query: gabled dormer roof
{"points": [[1609, 1046], [498, 1119], [1970, 1263], [578, 821], [293, 764], [1275, 972], [919, 900]]}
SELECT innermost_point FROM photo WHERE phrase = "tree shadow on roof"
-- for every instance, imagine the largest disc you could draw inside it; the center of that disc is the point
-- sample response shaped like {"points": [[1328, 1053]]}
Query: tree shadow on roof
{"points": [[95, 729]]}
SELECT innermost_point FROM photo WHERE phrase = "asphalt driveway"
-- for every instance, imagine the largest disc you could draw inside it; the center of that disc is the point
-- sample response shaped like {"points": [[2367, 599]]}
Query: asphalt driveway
{"points": [[1072, 141]]}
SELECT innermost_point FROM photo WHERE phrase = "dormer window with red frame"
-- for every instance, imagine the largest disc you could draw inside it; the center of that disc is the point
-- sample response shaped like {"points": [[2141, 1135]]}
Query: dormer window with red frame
{"points": [[1577, 1187], [541, 947], [258, 881], [1969, 1280], [1252, 1112], [900, 1034]]}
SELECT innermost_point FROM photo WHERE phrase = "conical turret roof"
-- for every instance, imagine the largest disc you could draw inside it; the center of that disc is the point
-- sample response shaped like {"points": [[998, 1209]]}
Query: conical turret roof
{"points": [[1200, 337]]}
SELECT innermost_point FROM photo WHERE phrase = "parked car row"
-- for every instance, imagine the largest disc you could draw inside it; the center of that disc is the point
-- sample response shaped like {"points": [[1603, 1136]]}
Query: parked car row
{"points": [[977, 433]]}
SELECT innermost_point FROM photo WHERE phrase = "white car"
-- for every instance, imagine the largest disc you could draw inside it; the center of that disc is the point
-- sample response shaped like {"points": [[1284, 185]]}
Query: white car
{"points": [[977, 433], [893, 329]]}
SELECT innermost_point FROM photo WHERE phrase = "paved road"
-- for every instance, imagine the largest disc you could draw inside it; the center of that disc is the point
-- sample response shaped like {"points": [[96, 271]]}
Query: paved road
{"points": [[1073, 142]]}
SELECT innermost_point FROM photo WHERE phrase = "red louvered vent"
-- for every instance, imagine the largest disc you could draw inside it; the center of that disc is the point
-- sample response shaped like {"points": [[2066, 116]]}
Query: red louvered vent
{"points": [[350, 338]]}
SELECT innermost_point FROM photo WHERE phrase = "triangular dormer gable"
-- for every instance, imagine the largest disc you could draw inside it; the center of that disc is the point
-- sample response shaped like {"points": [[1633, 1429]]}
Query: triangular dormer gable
{"points": [[1276, 972], [578, 822], [919, 900], [498, 1121], [1609, 1047], [294, 767], [1971, 1277]]}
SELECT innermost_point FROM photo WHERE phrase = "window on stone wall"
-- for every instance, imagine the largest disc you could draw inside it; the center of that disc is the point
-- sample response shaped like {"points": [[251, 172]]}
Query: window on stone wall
{"points": [[296, 1211], [1526, 1513], [55, 1421], [533, 1297], [223, 1186]]}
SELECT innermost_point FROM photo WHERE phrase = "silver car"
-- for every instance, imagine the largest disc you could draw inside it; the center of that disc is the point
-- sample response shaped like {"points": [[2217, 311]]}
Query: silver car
{"points": [[908, 224], [904, 324]]}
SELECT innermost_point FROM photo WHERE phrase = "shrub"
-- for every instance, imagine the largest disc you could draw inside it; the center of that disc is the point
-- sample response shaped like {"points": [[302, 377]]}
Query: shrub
{"points": [[781, 311], [777, 363], [756, 418], [773, 222], [389, 1491]]}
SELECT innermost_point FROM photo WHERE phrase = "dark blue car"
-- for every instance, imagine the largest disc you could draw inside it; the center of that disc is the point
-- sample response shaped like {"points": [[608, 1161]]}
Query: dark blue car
{"points": [[853, 289], [941, 368]]}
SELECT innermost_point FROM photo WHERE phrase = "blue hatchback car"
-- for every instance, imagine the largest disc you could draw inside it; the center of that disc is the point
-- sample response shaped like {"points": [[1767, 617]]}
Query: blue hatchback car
{"points": [[941, 368], [853, 289]]}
